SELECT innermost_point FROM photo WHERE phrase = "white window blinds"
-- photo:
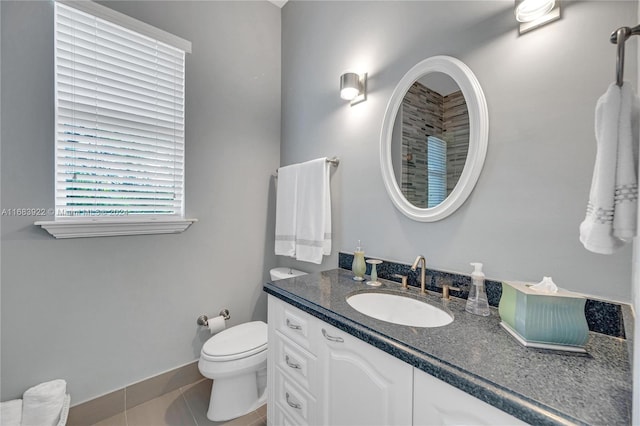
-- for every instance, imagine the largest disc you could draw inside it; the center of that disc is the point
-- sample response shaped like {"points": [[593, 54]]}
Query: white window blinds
{"points": [[119, 120], [437, 170]]}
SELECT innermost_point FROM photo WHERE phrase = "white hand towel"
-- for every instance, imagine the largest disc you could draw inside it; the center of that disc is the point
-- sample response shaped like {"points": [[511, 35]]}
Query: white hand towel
{"points": [[313, 227], [42, 404], [11, 413], [326, 248], [625, 202], [286, 204], [614, 171]]}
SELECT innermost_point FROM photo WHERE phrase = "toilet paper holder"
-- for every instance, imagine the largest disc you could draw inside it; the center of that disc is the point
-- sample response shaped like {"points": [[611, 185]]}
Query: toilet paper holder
{"points": [[203, 319]]}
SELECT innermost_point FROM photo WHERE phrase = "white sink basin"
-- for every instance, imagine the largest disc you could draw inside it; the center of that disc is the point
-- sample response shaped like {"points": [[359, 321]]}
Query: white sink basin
{"points": [[399, 309]]}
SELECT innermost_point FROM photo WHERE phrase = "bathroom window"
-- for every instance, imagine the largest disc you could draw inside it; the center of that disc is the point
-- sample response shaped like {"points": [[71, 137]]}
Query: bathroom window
{"points": [[436, 170], [120, 96]]}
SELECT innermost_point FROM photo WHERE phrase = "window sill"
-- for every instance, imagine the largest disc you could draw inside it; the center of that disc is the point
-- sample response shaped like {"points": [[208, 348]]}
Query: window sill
{"points": [[110, 228]]}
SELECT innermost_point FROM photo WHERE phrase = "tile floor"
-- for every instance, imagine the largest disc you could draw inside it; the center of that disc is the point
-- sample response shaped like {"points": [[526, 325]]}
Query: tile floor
{"points": [[186, 406]]}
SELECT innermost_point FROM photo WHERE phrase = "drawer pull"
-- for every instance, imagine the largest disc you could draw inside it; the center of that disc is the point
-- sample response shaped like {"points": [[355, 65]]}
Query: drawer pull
{"points": [[292, 404], [291, 364], [293, 326], [331, 338]]}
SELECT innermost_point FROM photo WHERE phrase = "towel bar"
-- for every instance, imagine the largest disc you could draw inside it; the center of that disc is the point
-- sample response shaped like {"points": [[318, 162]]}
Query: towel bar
{"points": [[334, 161], [619, 37]]}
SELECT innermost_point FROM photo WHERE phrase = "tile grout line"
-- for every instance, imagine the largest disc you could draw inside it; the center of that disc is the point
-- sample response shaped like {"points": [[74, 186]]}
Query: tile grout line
{"points": [[260, 420], [126, 421], [195, 421]]}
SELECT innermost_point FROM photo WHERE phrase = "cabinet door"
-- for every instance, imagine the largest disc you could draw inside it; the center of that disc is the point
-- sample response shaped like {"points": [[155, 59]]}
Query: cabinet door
{"points": [[438, 403], [362, 384]]}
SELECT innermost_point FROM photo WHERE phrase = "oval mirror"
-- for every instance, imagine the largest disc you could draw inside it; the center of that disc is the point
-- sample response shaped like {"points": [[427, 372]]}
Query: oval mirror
{"points": [[434, 138]]}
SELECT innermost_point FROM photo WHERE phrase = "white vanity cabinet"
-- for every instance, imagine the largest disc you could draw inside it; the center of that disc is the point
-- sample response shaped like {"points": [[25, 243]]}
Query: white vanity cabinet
{"points": [[320, 375], [438, 403], [362, 384]]}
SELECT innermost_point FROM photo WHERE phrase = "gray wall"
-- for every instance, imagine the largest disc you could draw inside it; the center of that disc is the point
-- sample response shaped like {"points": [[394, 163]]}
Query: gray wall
{"points": [[129, 309], [541, 88]]}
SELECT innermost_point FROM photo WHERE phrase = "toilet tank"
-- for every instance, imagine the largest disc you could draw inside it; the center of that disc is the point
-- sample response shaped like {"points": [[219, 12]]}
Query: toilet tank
{"points": [[284, 272]]}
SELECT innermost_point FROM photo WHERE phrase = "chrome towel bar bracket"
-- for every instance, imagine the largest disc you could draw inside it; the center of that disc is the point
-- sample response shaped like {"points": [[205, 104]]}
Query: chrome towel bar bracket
{"points": [[619, 37]]}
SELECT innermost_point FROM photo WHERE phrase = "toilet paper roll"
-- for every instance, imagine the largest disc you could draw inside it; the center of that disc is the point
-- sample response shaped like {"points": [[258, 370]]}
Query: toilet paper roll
{"points": [[216, 324]]}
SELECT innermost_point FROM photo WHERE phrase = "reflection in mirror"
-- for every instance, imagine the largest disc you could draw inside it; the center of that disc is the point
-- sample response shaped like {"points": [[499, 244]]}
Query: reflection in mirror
{"points": [[430, 140]]}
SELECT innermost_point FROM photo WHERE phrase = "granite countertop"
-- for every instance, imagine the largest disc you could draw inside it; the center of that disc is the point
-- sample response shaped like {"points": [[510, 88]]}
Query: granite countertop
{"points": [[477, 356]]}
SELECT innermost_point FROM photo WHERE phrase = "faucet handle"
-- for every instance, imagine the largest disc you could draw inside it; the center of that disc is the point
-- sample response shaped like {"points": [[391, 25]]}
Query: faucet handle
{"points": [[445, 290], [417, 261], [403, 278]]}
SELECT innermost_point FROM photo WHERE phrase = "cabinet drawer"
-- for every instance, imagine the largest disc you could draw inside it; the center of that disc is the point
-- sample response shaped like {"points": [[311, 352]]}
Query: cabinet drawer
{"points": [[293, 323], [301, 366], [295, 402], [281, 418]]}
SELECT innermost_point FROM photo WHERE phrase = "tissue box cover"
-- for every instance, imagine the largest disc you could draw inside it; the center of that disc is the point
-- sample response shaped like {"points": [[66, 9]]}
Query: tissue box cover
{"points": [[544, 320]]}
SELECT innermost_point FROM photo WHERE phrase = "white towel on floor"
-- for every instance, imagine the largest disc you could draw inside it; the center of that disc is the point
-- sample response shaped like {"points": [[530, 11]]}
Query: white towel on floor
{"points": [[313, 227], [286, 210], [11, 413], [42, 404], [611, 219]]}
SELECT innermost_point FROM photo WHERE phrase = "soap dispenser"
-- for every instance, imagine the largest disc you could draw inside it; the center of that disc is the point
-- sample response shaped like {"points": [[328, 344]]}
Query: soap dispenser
{"points": [[477, 303], [358, 266]]}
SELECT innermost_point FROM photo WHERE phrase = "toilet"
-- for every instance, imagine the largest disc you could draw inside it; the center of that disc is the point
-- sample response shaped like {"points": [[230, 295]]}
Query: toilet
{"points": [[284, 272], [236, 360]]}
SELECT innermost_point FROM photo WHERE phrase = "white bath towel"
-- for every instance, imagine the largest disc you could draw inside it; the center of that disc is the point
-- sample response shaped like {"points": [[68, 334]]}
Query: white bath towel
{"points": [[313, 227], [286, 210], [611, 219], [42, 404], [11, 412]]}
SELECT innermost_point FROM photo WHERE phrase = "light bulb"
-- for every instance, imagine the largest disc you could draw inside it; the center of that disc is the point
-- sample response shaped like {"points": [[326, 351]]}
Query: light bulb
{"points": [[349, 93], [530, 10]]}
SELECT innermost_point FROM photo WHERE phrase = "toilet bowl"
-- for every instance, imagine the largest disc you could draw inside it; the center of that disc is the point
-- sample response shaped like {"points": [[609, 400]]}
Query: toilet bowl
{"points": [[236, 360]]}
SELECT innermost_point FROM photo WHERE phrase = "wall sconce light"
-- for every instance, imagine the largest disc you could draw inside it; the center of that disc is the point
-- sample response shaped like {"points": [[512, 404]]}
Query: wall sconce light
{"points": [[533, 14], [353, 87]]}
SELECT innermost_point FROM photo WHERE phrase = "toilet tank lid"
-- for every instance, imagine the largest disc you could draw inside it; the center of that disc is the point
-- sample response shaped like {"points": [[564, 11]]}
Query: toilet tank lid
{"points": [[242, 340], [283, 272]]}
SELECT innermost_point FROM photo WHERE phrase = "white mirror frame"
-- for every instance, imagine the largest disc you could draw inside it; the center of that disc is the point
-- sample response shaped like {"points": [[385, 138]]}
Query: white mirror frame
{"points": [[478, 137]]}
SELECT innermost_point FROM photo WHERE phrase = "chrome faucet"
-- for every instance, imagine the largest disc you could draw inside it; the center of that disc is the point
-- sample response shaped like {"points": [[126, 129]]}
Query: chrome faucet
{"points": [[423, 272]]}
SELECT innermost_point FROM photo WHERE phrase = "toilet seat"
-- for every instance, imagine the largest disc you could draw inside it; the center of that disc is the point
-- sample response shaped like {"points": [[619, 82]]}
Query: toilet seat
{"points": [[237, 342]]}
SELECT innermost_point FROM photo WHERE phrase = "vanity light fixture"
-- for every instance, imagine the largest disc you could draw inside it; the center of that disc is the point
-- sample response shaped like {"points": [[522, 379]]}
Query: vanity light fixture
{"points": [[353, 87], [533, 14]]}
